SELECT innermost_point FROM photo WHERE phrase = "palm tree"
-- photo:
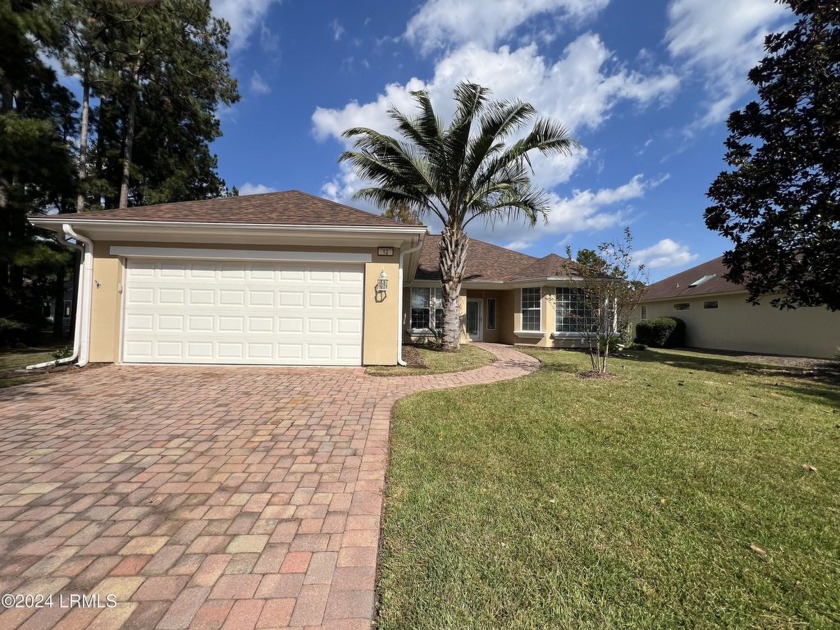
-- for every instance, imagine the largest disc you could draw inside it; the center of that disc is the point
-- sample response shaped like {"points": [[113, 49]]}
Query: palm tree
{"points": [[458, 173]]}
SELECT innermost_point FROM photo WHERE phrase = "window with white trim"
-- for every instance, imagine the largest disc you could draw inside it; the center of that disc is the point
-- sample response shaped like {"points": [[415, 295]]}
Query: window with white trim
{"points": [[572, 313], [491, 313], [682, 306], [531, 309], [643, 315], [710, 304], [426, 309]]}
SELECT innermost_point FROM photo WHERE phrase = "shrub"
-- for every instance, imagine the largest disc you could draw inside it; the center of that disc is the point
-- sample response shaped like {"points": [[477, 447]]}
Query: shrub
{"points": [[662, 332], [10, 331]]}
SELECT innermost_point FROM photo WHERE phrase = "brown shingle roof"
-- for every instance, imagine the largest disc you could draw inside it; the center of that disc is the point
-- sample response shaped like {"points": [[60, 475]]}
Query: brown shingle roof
{"points": [[550, 266], [291, 207], [485, 262], [677, 286]]}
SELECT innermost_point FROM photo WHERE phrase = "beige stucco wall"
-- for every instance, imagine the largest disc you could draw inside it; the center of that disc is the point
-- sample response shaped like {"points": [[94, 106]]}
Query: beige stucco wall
{"points": [[738, 326], [379, 341], [106, 304], [106, 308]]}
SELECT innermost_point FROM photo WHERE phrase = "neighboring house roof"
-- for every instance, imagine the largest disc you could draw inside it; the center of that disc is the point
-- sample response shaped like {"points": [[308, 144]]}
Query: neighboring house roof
{"points": [[491, 263], [706, 278], [291, 207]]}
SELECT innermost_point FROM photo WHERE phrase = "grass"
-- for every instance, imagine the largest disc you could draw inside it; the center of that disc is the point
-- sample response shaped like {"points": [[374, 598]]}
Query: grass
{"points": [[433, 361], [554, 501], [12, 360]]}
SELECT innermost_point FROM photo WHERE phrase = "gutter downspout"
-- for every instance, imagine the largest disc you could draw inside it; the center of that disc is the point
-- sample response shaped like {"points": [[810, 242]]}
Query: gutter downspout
{"points": [[81, 336], [410, 250]]}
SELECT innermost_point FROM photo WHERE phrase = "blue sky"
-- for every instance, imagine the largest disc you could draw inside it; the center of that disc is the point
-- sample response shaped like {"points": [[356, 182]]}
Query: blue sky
{"points": [[644, 86]]}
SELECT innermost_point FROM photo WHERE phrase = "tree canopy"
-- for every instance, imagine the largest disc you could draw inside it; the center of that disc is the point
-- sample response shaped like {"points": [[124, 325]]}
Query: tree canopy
{"points": [[780, 203], [153, 75], [476, 167]]}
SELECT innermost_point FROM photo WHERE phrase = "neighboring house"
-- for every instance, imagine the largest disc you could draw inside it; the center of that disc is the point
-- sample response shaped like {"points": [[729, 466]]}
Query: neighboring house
{"points": [[718, 316], [292, 279]]}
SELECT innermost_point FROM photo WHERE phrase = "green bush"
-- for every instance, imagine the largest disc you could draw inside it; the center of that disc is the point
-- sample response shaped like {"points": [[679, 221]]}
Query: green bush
{"points": [[10, 331], [662, 332]]}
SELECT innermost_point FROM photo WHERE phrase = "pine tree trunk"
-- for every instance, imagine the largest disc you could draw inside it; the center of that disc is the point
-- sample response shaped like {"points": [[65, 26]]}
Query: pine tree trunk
{"points": [[453, 257], [129, 135], [83, 140]]}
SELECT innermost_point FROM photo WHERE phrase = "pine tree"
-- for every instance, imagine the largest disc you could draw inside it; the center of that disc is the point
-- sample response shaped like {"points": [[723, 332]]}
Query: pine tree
{"points": [[36, 165]]}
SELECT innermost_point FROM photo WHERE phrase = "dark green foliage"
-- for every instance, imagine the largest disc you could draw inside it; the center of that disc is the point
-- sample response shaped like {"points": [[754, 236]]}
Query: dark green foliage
{"points": [[36, 164], [661, 332], [157, 74], [780, 202]]}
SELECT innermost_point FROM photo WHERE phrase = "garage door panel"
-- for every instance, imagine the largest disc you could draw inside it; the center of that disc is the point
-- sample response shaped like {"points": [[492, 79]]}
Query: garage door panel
{"points": [[200, 323], [177, 297], [260, 324], [170, 349], [170, 323], [140, 295], [201, 297], [231, 298], [320, 300], [142, 350], [232, 312], [261, 298]]}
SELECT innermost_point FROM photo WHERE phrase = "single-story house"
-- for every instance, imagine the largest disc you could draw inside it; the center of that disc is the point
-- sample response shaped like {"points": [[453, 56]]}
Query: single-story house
{"points": [[718, 316], [291, 279]]}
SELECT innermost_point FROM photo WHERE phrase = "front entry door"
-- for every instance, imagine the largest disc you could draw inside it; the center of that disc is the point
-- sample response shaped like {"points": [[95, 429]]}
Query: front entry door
{"points": [[474, 323]]}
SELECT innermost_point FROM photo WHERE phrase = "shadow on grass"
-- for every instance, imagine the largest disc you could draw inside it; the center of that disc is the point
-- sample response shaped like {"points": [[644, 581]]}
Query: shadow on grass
{"points": [[818, 383]]}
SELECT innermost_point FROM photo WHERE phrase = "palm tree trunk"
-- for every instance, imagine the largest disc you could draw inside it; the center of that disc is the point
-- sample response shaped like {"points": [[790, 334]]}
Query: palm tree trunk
{"points": [[453, 257]]}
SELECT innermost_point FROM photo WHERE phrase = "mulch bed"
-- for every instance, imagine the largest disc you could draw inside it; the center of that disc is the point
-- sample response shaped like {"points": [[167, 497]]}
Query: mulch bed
{"points": [[411, 355]]}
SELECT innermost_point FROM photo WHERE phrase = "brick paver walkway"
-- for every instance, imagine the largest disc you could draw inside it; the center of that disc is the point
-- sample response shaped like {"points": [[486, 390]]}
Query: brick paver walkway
{"points": [[200, 497]]}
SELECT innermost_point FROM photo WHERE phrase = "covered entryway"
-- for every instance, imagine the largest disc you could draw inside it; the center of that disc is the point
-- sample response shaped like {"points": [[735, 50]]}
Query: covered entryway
{"points": [[241, 312]]}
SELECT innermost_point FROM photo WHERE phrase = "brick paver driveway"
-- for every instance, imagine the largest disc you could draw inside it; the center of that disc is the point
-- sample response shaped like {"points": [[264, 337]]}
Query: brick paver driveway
{"points": [[200, 497]]}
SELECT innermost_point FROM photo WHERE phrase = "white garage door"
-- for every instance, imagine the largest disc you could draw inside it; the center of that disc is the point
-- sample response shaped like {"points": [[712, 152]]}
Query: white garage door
{"points": [[272, 313]]}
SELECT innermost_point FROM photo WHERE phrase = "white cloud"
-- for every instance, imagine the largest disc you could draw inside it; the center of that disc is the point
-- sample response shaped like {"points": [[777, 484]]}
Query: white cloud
{"points": [[440, 23], [269, 40], [518, 246], [577, 90], [244, 16], [254, 189], [721, 40], [665, 253], [258, 84], [582, 211], [337, 28]]}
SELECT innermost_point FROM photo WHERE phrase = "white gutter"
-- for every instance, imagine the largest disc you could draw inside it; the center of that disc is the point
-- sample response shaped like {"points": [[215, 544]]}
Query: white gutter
{"points": [[86, 295], [411, 250], [80, 298], [226, 226]]}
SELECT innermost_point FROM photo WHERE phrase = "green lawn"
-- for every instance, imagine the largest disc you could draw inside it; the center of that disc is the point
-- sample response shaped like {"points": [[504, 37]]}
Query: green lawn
{"points": [[554, 501], [435, 361], [12, 360]]}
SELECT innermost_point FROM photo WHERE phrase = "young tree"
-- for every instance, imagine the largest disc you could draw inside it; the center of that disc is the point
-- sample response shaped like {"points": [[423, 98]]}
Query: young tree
{"points": [[610, 287], [402, 213], [780, 203], [458, 173]]}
